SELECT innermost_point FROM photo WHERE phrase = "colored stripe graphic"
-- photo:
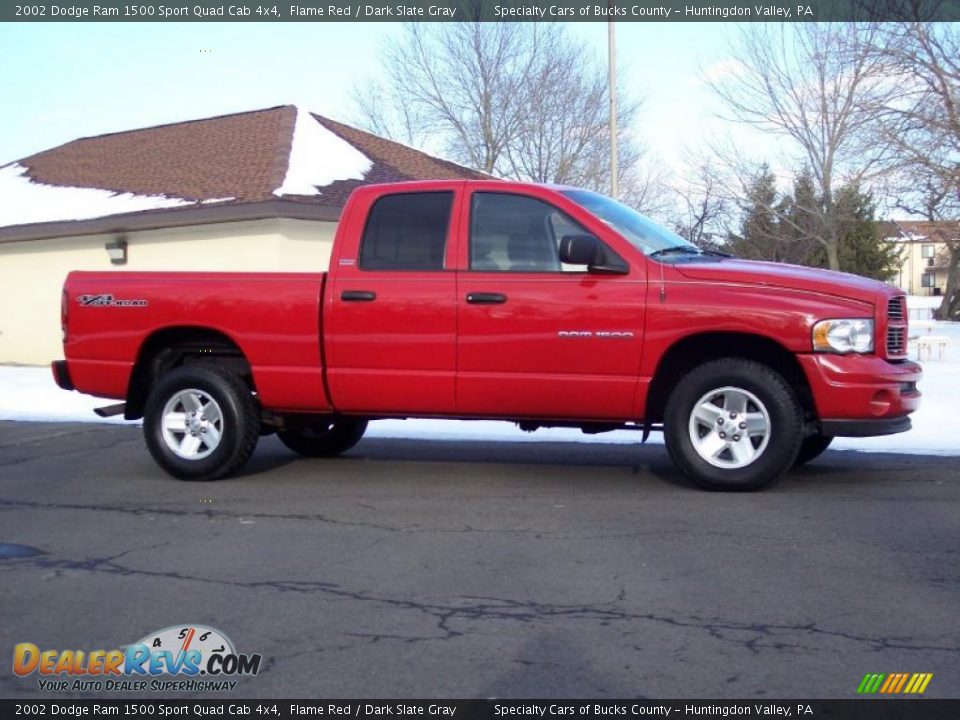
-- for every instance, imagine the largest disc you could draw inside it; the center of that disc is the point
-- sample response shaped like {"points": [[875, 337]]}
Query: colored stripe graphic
{"points": [[903, 680], [894, 683], [918, 683], [894, 680], [870, 683]]}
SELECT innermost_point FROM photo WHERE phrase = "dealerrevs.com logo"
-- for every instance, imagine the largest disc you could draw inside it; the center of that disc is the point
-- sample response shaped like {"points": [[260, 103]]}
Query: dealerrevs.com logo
{"points": [[178, 658]]}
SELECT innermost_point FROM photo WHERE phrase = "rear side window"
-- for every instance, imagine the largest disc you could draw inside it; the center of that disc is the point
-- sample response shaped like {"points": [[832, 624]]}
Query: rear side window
{"points": [[406, 232]]}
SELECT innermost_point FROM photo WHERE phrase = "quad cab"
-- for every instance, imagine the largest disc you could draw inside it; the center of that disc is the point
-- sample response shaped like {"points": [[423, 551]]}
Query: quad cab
{"points": [[546, 306]]}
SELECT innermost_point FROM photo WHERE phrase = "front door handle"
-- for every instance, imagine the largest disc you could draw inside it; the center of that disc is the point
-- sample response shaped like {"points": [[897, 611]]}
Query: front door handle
{"points": [[486, 298], [358, 296]]}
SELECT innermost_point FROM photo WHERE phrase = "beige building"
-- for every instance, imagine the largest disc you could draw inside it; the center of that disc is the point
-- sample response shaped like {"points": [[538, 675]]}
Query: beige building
{"points": [[924, 254], [256, 191]]}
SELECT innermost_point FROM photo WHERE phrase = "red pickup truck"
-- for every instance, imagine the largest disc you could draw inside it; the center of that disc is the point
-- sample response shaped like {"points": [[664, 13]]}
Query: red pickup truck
{"points": [[546, 306]]}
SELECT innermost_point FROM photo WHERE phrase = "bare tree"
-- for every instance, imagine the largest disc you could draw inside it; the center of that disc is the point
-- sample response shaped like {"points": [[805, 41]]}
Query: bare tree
{"points": [[703, 209], [644, 186], [922, 127], [524, 101], [816, 85], [456, 83]]}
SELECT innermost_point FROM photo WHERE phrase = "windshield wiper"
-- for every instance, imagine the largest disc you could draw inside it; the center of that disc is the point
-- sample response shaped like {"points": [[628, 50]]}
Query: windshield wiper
{"points": [[688, 251], [716, 253], [674, 250]]}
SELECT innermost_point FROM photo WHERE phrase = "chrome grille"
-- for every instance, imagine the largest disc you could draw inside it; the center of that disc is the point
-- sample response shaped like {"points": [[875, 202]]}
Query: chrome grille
{"points": [[895, 308], [896, 341], [897, 326]]}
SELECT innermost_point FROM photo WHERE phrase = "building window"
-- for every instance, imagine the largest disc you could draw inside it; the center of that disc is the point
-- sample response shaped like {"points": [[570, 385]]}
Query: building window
{"points": [[927, 251], [926, 280]]}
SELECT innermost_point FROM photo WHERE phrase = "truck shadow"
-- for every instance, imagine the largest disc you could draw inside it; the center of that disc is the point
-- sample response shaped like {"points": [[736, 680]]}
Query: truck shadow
{"points": [[834, 469], [636, 459]]}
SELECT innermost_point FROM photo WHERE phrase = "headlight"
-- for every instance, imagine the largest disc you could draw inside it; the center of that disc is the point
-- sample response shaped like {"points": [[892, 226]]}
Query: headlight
{"points": [[843, 336]]}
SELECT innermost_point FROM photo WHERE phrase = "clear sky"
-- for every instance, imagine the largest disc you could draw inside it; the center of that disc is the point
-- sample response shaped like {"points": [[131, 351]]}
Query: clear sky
{"points": [[63, 81]]}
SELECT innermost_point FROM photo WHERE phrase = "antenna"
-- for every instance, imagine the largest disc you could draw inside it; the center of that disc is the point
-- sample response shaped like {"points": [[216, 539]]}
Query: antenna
{"points": [[663, 287]]}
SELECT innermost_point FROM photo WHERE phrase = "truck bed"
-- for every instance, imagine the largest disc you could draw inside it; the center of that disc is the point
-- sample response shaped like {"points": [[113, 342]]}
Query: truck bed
{"points": [[274, 318]]}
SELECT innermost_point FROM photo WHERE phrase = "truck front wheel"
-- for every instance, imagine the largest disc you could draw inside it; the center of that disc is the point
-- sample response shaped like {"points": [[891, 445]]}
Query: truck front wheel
{"points": [[324, 438], [201, 422], [733, 424]]}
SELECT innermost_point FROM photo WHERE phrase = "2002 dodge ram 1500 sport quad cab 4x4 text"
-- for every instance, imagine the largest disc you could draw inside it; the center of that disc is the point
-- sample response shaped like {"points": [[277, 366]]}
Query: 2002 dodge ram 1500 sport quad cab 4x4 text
{"points": [[547, 306]]}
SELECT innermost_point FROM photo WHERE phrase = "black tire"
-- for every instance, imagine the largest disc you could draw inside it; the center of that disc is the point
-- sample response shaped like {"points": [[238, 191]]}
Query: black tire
{"points": [[238, 426], [773, 456], [811, 448], [323, 438]]}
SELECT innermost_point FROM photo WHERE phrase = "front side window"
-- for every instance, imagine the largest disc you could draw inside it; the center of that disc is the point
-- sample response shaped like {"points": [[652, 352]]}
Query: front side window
{"points": [[514, 233], [407, 231]]}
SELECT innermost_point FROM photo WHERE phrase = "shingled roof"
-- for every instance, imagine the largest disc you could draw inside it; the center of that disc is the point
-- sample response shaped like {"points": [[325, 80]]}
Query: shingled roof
{"points": [[922, 230], [282, 162]]}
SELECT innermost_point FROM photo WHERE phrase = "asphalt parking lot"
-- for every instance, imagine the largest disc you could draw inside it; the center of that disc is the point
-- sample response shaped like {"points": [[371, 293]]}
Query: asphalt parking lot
{"points": [[433, 569]]}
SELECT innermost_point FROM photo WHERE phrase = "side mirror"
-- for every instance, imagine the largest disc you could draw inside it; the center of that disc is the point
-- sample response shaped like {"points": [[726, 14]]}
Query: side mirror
{"points": [[579, 249], [586, 250]]}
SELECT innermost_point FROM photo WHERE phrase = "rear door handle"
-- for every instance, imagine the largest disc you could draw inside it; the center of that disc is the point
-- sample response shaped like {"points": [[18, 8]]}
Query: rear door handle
{"points": [[486, 298], [358, 296]]}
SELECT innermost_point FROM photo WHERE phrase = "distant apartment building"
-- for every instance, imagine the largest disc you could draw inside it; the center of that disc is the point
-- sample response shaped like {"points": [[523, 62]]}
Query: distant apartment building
{"points": [[924, 253]]}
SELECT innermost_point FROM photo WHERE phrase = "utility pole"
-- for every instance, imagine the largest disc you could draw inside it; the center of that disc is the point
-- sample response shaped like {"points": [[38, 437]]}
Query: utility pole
{"points": [[612, 80]]}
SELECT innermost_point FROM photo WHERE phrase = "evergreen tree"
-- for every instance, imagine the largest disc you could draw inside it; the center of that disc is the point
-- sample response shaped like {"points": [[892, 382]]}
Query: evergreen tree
{"points": [[802, 220], [862, 250], [759, 229], [788, 229]]}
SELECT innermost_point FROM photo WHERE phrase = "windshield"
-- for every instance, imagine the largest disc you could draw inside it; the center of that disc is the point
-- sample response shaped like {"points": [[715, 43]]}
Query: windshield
{"points": [[642, 232]]}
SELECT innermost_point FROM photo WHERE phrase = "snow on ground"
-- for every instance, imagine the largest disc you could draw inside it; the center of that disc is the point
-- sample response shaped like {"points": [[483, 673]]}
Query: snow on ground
{"points": [[319, 157], [916, 302], [29, 394], [25, 201]]}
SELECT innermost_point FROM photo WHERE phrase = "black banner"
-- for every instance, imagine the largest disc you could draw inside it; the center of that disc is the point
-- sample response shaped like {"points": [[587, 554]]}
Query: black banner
{"points": [[482, 10], [865, 709]]}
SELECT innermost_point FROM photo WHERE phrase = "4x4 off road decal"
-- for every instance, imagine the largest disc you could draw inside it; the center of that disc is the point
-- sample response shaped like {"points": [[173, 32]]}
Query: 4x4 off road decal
{"points": [[108, 301]]}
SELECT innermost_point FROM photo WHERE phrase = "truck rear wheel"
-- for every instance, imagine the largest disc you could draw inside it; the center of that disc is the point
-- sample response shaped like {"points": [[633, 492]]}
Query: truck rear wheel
{"points": [[323, 438], [811, 448], [733, 424], [201, 422]]}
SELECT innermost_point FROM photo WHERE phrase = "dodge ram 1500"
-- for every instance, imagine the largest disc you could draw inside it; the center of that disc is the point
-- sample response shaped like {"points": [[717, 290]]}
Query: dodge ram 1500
{"points": [[546, 306]]}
